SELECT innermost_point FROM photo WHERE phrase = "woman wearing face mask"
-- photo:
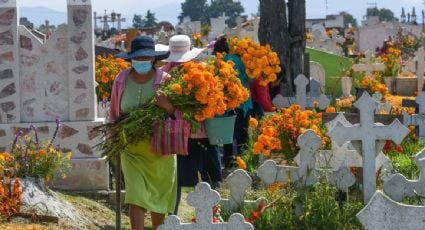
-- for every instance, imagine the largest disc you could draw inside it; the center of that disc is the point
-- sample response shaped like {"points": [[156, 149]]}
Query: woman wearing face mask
{"points": [[150, 178], [202, 157]]}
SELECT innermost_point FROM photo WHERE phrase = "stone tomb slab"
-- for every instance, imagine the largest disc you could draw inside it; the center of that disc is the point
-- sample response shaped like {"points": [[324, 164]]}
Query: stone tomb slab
{"points": [[85, 174]]}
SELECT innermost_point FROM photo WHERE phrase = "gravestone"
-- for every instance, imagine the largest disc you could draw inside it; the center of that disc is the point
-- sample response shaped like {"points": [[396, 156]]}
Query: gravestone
{"points": [[398, 187], [189, 27], [419, 118], [218, 25], [301, 97], [384, 214], [204, 199], [306, 172], [238, 182], [40, 82], [368, 133], [420, 70], [348, 154], [318, 73], [369, 68]]}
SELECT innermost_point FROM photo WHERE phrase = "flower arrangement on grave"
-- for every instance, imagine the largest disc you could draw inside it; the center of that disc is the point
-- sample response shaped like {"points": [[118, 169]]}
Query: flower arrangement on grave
{"points": [[198, 90], [39, 159], [344, 104], [259, 61], [197, 40], [277, 134], [372, 85], [409, 44], [309, 37], [107, 68], [407, 75], [11, 195], [391, 60]]}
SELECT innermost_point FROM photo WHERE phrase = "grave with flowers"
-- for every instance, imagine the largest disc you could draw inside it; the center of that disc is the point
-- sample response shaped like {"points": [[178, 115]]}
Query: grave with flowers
{"points": [[44, 82]]}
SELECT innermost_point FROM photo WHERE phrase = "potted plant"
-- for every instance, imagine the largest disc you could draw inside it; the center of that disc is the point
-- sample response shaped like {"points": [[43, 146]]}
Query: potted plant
{"points": [[406, 84]]}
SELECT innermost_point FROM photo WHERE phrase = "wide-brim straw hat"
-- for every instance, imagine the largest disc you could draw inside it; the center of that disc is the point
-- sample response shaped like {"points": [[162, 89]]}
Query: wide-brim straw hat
{"points": [[143, 46], [181, 50]]}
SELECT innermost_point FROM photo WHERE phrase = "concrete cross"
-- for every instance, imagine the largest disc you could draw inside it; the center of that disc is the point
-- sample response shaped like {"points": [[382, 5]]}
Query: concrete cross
{"points": [[420, 70], [417, 119], [383, 213], [382, 107], [368, 133], [398, 187], [301, 98], [306, 172], [369, 68], [238, 182], [301, 83], [204, 199]]}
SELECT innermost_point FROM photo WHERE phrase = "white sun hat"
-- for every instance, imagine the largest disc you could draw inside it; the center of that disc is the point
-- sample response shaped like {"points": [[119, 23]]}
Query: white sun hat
{"points": [[181, 50]]}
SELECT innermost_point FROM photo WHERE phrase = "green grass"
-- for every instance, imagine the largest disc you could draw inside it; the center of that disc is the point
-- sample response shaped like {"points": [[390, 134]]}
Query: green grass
{"points": [[330, 63]]}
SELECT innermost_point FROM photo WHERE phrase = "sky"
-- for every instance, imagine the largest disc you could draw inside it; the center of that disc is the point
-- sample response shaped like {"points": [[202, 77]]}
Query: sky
{"points": [[169, 9]]}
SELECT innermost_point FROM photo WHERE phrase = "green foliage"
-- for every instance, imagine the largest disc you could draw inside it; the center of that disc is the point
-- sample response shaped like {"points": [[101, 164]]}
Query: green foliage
{"points": [[150, 20], [138, 22], [318, 207], [195, 9], [348, 19], [231, 8], [200, 10], [384, 14], [404, 162]]}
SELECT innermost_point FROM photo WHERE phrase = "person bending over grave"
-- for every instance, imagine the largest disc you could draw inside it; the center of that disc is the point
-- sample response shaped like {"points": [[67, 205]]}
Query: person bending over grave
{"points": [[243, 111], [202, 157], [150, 179]]}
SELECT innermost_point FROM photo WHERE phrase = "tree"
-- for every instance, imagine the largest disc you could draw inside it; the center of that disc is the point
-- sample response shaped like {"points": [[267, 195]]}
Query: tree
{"points": [[195, 9], [348, 19], [231, 8], [285, 34], [384, 14], [138, 22], [150, 20]]}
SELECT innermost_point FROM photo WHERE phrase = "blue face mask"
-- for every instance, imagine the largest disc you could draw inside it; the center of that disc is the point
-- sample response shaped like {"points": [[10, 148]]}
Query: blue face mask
{"points": [[141, 67]]}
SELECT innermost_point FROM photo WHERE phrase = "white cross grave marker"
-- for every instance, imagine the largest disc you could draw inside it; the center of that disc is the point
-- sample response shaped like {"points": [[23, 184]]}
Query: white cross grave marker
{"points": [[309, 144], [301, 83], [204, 199], [385, 214], [238, 182], [301, 96], [369, 66], [398, 187], [368, 133], [417, 119]]}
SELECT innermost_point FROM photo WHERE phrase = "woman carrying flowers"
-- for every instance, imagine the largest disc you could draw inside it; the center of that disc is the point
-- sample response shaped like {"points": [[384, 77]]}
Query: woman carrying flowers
{"points": [[242, 112], [150, 178], [202, 157]]}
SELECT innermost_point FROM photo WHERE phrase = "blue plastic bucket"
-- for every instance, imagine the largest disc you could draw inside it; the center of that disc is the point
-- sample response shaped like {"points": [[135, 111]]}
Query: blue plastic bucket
{"points": [[220, 129]]}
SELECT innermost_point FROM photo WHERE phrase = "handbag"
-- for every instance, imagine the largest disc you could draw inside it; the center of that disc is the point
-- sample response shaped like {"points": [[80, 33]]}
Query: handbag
{"points": [[170, 137]]}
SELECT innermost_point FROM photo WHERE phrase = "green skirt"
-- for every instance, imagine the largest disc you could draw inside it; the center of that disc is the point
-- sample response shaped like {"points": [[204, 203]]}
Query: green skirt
{"points": [[150, 179]]}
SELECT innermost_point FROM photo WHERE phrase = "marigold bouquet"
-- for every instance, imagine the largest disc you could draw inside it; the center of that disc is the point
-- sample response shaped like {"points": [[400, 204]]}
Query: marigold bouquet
{"points": [[197, 90], [391, 59], [372, 85], [278, 133], [39, 159], [107, 68], [259, 61]]}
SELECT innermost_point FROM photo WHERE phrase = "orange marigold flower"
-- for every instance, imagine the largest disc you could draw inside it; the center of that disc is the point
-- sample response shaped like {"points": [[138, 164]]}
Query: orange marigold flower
{"points": [[253, 123], [241, 163]]}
